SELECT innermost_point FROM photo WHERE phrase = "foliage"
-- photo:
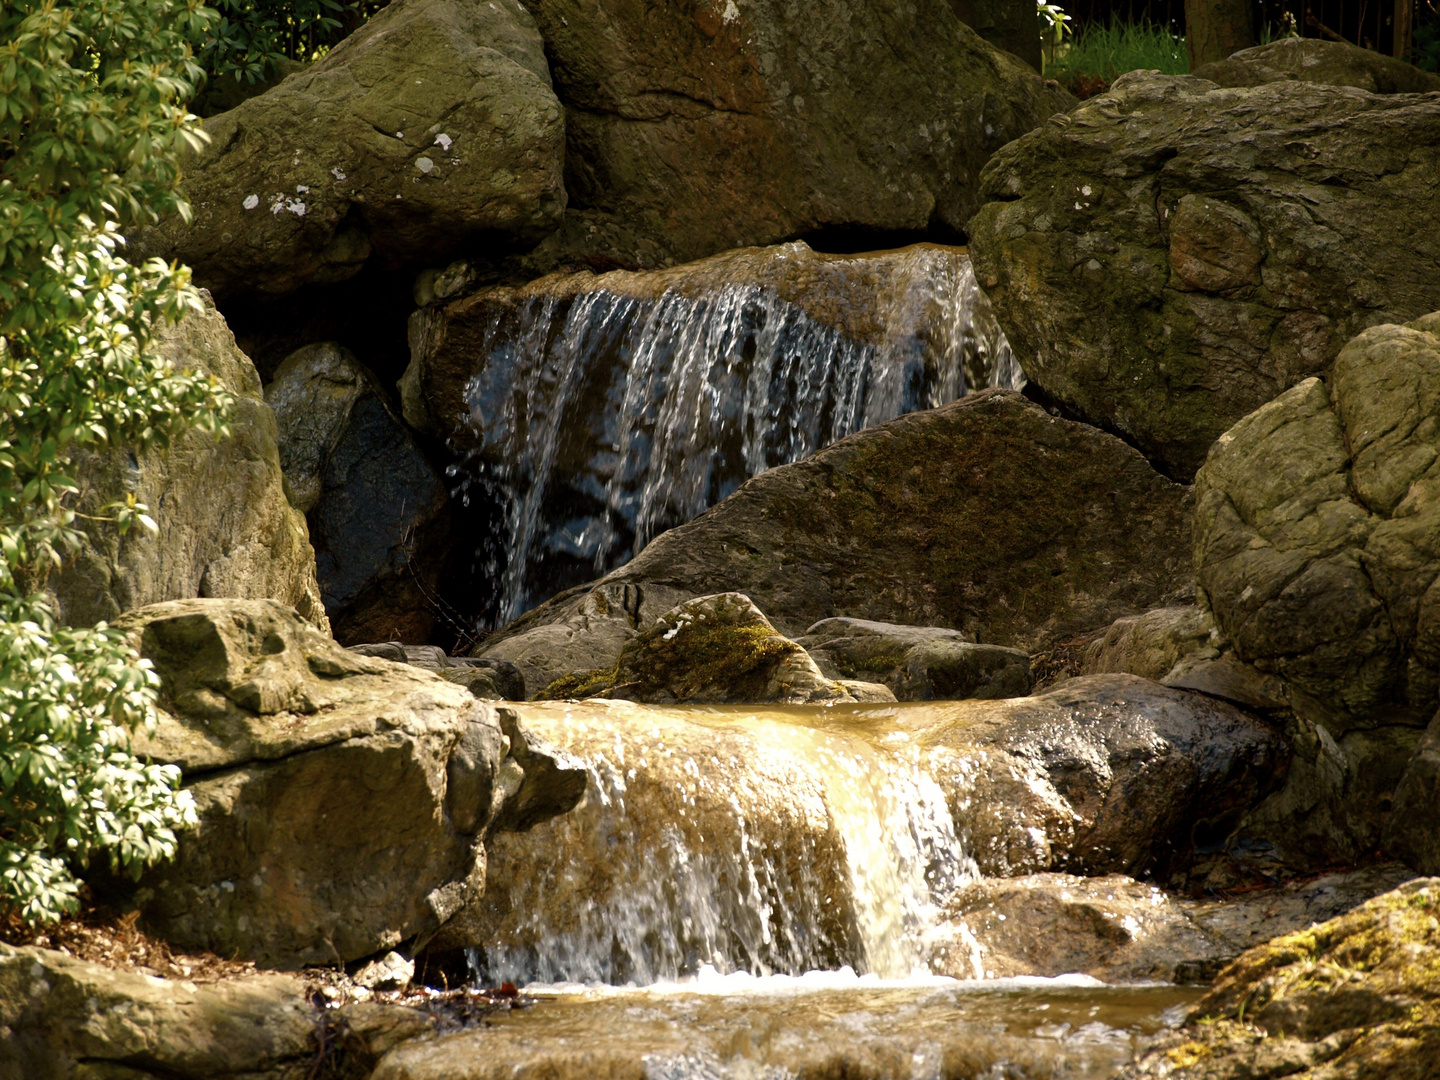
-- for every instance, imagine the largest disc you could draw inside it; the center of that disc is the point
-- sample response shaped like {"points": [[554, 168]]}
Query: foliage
{"points": [[252, 37], [1426, 44], [1102, 52], [1053, 20], [92, 116]]}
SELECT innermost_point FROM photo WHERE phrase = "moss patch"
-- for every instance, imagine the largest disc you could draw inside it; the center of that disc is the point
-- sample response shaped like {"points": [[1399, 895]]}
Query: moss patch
{"points": [[596, 682]]}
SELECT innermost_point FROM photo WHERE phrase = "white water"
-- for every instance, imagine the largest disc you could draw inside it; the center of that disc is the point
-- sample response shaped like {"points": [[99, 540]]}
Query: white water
{"points": [[605, 420], [721, 839]]}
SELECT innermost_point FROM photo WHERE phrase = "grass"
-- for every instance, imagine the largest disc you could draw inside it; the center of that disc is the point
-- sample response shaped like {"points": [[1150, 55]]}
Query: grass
{"points": [[1096, 54]]}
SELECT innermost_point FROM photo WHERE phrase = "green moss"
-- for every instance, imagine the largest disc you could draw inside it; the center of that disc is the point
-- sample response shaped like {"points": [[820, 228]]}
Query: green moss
{"points": [[706, 661], [581, 684]]}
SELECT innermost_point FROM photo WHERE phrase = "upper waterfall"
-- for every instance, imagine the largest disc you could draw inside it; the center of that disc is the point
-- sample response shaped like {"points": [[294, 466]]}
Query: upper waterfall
{"points": [[599, 411]]}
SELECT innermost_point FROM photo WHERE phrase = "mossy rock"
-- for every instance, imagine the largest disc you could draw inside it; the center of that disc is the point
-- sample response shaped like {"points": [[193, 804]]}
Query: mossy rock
{"points": [[1358, 996]]}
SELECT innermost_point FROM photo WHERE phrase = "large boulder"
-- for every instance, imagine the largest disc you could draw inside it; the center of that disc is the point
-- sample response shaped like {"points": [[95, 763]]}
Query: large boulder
{"points": [[1105, 774], [988, 516], [377, 509], [1317, 546], [1150, 260], [605, 409], [1312, 60], [343, 800], [227, 528], [1355, 996], [432, 126], [711, 650], [696, 128]]}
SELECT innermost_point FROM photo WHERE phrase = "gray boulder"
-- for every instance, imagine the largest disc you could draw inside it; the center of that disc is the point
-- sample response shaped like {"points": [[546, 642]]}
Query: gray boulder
{"points": [[227, 528], [431, 126], [1311, 60], [693, 130], [1148, 260], [986, 516], [917, 663], [343, 800], [1104, 774], [377, 509]]}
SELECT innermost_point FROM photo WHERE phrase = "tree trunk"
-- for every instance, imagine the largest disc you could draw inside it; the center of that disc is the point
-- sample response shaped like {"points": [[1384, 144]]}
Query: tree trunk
{"points": [[1216, 28]]}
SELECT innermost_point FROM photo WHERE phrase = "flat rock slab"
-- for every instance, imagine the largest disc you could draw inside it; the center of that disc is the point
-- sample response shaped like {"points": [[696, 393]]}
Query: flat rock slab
{"points": [[1172, 255], [803, 1027]]}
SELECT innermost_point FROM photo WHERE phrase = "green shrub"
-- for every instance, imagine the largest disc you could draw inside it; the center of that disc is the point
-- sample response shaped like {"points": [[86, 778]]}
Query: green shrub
{"points": [[251, 37], [92, 115]]}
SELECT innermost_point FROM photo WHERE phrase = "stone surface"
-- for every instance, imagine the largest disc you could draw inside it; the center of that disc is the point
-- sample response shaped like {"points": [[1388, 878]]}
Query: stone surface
{"points": [[432, 126], [489, 680], [986, 516], [711, 650], [343, 800], [1311, 60], [1354, 997], [1410, 834], [1181, 647], [67, 1019], [698, 128], [1173, 255], [1317, 534], [1120, 930], [596, 411], [917, 663], [1104, 774], [226, 527], [377, 509]]}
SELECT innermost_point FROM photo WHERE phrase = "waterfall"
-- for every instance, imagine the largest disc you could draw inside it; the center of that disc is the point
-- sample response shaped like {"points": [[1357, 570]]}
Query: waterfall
{"points": [[728, 838], [601, 419]]}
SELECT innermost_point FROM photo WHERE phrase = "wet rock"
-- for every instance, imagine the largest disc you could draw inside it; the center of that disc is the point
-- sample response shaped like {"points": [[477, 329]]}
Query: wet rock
{"points": [[987, 516], [226, 527], [917, 663], [1120, 930], [1310, 60], [1104, 774], [431, 126], [711, 650], [1355, 996], [376, 507], [699, 129], [1113, 928], [488, 679], [597, 411], [343, 800], [1148, 264], [63, 1017]]}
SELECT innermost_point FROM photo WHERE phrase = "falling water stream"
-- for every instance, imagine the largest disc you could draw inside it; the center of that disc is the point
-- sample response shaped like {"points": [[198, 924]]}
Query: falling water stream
{"points": [[753, 892], [603, 419]]}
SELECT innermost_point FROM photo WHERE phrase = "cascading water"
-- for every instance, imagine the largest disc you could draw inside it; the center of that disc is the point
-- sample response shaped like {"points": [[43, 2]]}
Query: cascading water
{"points": [[600, 419], [730, 838]]}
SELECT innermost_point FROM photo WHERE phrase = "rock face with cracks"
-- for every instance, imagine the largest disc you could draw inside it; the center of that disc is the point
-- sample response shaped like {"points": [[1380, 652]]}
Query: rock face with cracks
{"points": [[226, 526], [432, 125], [343, 800], [694, 128], [987, 516], [1172, 255]]}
